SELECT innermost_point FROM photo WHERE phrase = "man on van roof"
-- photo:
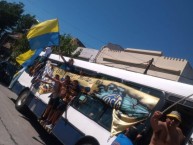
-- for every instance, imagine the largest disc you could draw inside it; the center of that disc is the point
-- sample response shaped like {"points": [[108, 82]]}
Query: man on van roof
{"points": [[67, 65], [166, 132]]}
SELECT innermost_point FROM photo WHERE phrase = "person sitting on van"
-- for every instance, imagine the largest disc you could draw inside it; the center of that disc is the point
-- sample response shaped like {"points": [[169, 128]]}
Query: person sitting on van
{"points": [[67, 65], [54, 99], [166, 132], [67, 94], [74, 85], [85, 90]]}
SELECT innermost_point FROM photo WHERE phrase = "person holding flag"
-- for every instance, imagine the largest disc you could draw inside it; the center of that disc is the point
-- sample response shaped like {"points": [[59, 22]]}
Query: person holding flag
{"points": [[166, 132], [39, 36], [41, 62]]}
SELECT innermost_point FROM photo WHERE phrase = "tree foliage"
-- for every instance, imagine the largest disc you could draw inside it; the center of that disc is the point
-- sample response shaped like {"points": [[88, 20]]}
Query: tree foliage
{"points": [[20, 46], [24, 23], [9, 14], [66, 46], [14, 21]]}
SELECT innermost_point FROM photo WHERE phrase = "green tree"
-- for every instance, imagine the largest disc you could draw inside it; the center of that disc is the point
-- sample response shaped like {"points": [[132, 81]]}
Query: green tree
{"points": [[24, 23], [13, 19], [20, 46], [9, 15], [66, 46]]}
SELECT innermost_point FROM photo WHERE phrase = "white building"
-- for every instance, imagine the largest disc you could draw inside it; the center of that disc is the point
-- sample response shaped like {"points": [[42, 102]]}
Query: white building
{"points": [[138, 60], [87, 54]]}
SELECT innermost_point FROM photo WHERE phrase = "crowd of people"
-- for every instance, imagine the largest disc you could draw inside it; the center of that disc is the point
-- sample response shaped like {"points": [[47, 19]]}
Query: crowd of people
{"points": [[64, 91]]}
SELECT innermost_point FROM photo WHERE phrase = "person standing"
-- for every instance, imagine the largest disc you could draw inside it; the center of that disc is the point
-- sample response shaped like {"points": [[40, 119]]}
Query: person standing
{"points": [[166, 132], [67, 94], [62, 101], [54, 99]]}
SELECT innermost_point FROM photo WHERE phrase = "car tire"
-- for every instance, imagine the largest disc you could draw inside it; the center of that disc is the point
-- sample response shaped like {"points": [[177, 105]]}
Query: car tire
{"points": [[21, 101], [87, 141]]}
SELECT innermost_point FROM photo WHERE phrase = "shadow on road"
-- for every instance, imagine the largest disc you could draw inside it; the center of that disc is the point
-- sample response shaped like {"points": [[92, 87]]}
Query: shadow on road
{"points": [[48, 139], [38, 140], [13, 100]]}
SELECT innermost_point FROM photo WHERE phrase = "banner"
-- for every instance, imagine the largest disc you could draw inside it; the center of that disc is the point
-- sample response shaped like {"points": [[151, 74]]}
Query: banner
{"points": [[131, 106], [121, 122], [46, 88]]}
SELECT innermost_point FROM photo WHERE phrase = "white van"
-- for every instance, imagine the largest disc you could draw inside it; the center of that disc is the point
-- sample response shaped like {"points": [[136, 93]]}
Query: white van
{"points": [[77, 127]]}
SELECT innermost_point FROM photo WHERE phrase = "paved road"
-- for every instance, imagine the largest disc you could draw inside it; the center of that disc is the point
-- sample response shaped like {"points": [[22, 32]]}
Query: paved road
{"points": [[17, 129]]}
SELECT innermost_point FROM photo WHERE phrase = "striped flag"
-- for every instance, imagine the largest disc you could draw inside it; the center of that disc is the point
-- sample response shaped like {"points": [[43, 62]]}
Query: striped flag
{"points": [[44, 34], [40, 36]]}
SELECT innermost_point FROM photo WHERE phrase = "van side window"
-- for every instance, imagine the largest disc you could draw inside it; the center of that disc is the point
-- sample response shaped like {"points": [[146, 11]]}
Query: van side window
{"points": [[106, 119], [95, 110], [152, 92], [89, 106], [186, 103]]}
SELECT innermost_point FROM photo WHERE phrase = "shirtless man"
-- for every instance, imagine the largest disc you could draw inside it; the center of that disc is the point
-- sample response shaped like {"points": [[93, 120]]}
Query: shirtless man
{"points": [[167, 132], [53, 102], [63, 101], [67, 94], [67, 65]]}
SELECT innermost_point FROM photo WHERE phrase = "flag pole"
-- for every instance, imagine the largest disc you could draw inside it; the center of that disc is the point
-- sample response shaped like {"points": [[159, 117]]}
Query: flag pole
{"points": [[176, 103]]}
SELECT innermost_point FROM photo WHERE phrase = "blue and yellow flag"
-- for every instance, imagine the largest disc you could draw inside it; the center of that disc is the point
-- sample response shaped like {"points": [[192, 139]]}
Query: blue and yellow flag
{"points": [[40, 36], [44, 34], [25, 56]]}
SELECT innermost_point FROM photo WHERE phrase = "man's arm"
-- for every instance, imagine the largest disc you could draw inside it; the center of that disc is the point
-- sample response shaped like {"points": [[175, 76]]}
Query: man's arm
{"points": [[63, 58], [155, 121], [43, 81], [53, 79]]}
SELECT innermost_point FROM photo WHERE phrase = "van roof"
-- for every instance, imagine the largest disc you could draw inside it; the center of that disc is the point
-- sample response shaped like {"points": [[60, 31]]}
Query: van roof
{"points": [[174, 87]]}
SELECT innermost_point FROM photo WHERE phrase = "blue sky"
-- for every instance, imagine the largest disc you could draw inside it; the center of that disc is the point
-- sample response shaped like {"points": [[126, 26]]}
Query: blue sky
{"points": [[161, 25]]}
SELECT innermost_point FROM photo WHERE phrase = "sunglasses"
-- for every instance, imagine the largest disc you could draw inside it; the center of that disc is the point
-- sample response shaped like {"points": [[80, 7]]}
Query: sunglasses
{"points": [[174, 119]]}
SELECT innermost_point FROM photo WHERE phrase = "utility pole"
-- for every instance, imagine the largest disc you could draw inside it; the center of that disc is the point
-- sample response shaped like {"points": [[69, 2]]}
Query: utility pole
{"points": [[148, 66]]}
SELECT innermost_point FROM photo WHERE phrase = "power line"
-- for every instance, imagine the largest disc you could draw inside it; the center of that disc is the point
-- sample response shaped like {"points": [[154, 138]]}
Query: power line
{"points": [[45, 11], [73, 26]]}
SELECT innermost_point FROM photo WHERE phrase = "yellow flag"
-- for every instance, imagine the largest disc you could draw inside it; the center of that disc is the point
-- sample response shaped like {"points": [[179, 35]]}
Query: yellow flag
{"points": [[49, 26], [25, 56]]}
